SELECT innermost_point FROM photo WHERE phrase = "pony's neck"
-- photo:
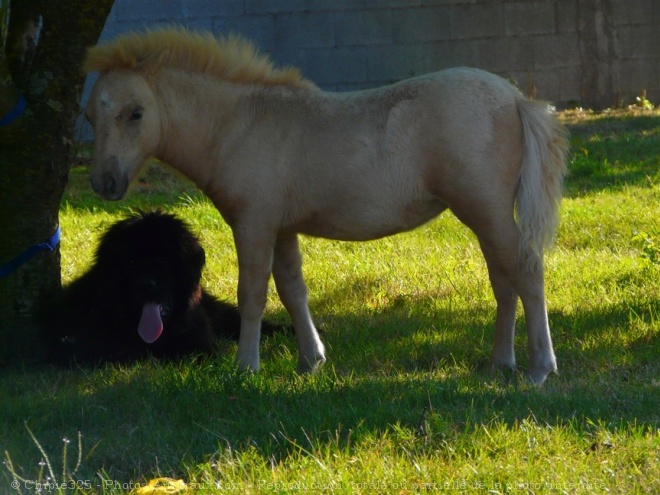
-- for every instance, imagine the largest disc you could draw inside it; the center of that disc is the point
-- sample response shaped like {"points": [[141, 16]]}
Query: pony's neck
{"points": [[195, 111]]}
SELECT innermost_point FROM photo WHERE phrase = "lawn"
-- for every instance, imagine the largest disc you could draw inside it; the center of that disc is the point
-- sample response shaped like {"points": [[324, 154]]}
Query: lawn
{"points": [[406, 403]]}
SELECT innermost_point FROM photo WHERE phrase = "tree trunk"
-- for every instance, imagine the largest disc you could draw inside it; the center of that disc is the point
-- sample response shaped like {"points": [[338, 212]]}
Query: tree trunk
{"points": [[35, 149]]}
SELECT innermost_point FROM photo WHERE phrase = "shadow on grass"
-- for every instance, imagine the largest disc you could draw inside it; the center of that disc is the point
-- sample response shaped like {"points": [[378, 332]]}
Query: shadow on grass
{"points": [[391, 368]]}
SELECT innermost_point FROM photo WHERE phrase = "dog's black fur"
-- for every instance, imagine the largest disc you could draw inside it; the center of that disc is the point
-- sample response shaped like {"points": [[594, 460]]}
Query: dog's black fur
{"points": [[145, 258]]}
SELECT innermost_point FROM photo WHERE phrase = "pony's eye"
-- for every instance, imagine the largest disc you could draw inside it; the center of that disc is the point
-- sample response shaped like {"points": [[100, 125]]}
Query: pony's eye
{"points": [[135, 115]]}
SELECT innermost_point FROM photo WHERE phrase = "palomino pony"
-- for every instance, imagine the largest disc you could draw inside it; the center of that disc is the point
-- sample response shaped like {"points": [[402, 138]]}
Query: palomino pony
{"points": [[279, 157]]}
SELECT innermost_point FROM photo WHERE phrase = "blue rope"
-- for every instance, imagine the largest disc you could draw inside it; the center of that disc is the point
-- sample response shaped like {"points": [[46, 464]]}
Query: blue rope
{"points": [[14, 113], [30, 253]]}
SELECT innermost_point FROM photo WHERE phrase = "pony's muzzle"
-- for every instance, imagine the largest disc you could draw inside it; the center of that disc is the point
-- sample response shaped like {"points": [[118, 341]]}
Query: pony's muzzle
{"points": [[109, 182]]}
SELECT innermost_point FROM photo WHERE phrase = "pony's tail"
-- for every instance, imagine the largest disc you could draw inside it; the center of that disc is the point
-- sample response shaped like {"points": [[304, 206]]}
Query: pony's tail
{"points": [[545, 146]]}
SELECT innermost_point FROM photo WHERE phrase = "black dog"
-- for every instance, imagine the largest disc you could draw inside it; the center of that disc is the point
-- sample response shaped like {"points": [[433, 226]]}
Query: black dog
{"points": [[142, 296]]}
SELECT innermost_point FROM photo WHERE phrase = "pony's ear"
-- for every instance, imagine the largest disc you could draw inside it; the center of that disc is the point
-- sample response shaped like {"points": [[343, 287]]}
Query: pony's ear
{"points": [[152, 61]]}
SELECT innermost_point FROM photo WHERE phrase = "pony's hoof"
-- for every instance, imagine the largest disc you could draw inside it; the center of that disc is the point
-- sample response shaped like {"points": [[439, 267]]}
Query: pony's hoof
{"points": [[505, 373], [306, 365], [538, 375], [247, 365], [506, 365]]}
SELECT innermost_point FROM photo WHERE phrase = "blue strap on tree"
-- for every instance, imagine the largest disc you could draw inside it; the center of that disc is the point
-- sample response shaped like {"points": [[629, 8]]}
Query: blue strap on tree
{"points": [[30, 253], [50, 244], [14, 113]]}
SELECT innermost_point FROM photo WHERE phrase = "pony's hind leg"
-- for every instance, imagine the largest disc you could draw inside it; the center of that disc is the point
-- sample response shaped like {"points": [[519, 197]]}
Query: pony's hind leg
{"points": [[540, 351], [287, 272], [499, 242], [508, 276], [503, 354]]}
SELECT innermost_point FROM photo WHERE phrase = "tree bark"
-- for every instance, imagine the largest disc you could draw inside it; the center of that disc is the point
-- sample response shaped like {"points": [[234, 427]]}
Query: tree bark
{"points": [[35, 150]]}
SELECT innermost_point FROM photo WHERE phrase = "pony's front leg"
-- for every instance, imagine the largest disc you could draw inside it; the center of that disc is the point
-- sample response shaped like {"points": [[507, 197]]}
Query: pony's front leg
{"points": [[255, 261], [287, 271]]}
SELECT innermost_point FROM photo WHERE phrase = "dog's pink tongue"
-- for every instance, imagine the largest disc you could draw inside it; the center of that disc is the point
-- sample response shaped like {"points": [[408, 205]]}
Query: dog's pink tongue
{"points": [[150, 326]]}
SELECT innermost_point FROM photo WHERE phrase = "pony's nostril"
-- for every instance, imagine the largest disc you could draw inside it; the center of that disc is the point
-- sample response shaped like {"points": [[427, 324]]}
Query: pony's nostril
{"points": [[96, 185], [109, 184]]}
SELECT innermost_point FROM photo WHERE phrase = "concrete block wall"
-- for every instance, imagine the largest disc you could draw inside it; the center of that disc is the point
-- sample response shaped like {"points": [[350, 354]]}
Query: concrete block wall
{"points": [[588, 52]]}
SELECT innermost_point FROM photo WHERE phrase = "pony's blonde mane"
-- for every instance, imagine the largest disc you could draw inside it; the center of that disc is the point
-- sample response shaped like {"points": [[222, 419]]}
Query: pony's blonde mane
{"points": [[232, 58]]}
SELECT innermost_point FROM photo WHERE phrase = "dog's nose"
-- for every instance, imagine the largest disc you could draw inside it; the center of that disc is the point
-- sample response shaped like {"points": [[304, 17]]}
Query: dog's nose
{"points": [[149, 285]]}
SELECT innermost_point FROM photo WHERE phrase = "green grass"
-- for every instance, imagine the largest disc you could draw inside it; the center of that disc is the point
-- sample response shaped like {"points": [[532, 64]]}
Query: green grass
{"points": [[406, 403]]}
